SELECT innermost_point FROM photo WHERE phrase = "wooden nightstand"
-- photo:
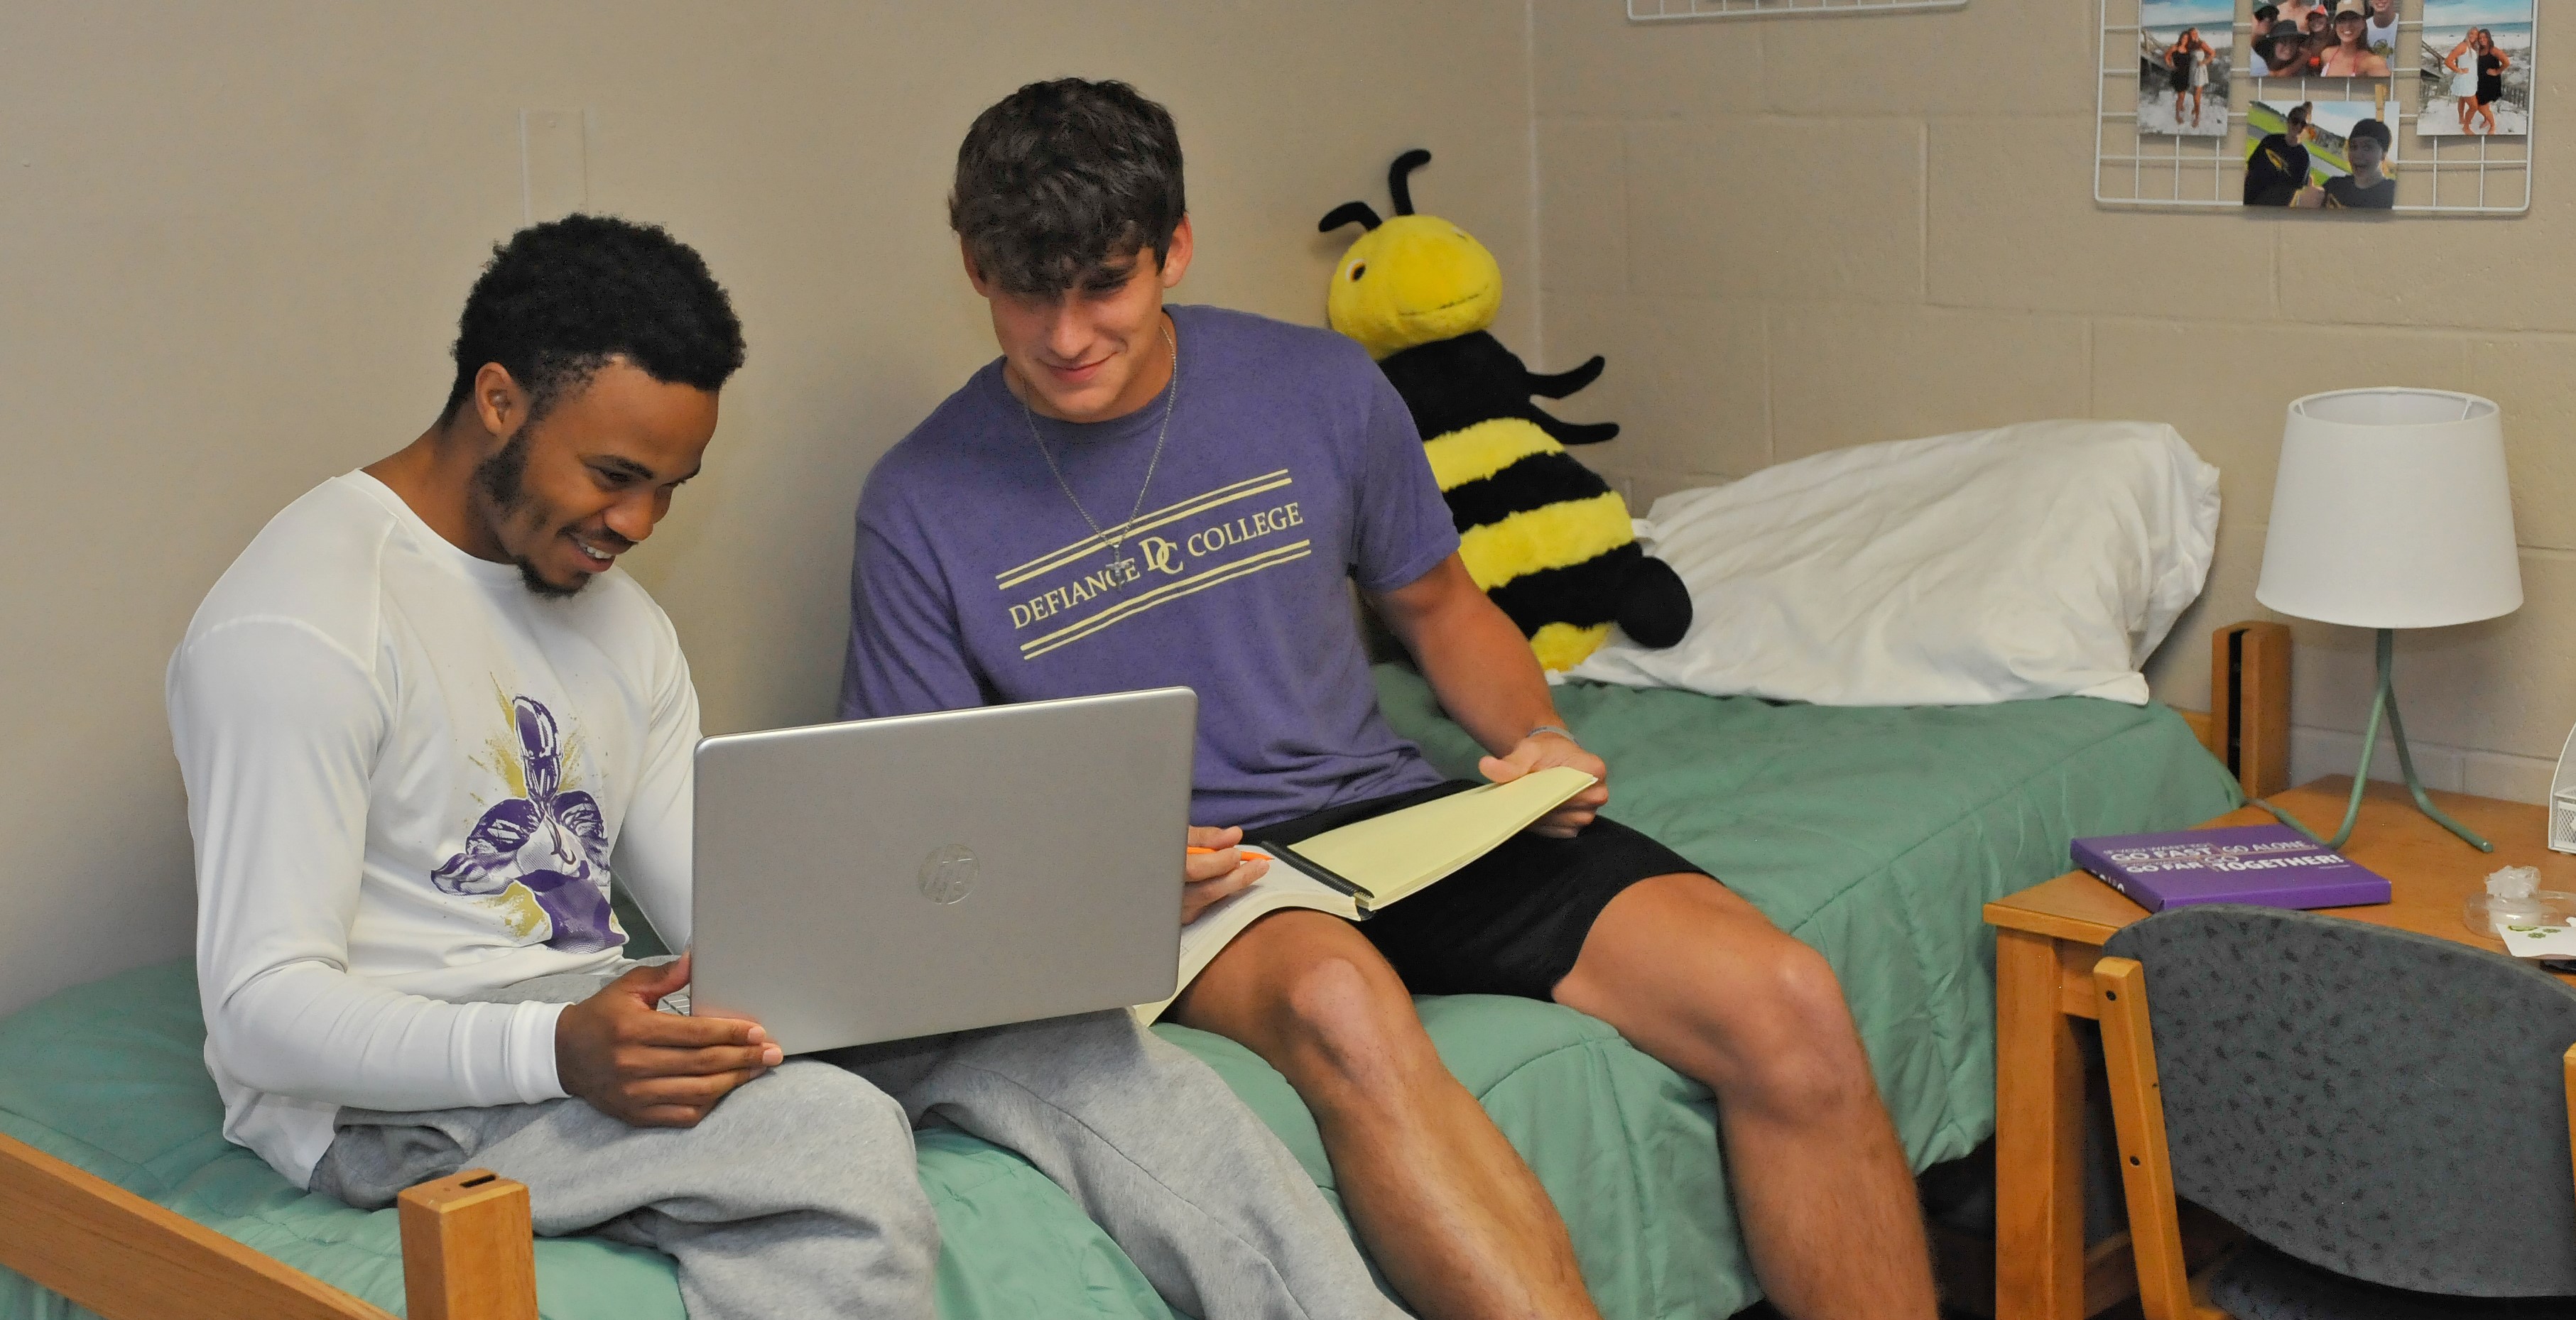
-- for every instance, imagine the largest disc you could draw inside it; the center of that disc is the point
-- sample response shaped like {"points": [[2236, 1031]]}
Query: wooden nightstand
{"points": [[2047, 939]]}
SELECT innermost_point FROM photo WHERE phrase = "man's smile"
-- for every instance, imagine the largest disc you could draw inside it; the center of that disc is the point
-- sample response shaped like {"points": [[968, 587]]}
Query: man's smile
{"points": [[596, 555], [1079, 372]]}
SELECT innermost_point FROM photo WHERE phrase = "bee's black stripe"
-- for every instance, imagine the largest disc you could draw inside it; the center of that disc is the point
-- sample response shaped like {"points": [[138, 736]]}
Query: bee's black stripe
{"points": [[1451, 384], [1532, 481], [1580, 594]]}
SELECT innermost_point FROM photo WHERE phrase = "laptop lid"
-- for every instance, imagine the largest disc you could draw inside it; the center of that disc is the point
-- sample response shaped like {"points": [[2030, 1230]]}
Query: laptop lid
{"points": [[883, 879]]}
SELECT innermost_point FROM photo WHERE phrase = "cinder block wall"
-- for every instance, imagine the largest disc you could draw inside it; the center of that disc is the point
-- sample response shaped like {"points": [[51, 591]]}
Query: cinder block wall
{"points": [[237, 237], [1790, 235]]}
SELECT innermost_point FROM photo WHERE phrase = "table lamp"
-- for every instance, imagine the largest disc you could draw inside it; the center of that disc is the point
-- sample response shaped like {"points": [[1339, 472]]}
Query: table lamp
{"points": [[2391, 511]]}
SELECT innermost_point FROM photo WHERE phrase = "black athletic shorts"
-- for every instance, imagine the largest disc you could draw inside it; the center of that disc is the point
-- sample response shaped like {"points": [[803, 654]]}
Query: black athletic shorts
{"points": [[1511, 922]]}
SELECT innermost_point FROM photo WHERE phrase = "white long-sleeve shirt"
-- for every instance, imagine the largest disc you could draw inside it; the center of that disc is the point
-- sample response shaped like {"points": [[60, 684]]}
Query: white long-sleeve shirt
{"points": [[406, 777]]}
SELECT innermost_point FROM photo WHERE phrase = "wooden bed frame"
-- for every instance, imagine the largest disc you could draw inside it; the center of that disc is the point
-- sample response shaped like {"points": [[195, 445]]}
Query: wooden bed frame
{"points": [[466, 1242], [467, 1251], [2248, 724]]}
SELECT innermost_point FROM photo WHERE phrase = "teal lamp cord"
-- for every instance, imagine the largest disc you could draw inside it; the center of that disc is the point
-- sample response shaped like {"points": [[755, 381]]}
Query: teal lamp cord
{"points": [[2383, 703]]}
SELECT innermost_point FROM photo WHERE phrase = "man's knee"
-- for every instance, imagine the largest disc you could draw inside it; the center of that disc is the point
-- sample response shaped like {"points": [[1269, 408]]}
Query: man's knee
{"points": [[1789, 1043], [812, 1114], [1352, 1024]]}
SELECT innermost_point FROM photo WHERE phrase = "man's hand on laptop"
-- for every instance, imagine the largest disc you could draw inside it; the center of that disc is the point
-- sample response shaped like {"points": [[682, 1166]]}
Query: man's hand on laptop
{"points": [[633, 1062], [1548, 748], [1220, 873]]}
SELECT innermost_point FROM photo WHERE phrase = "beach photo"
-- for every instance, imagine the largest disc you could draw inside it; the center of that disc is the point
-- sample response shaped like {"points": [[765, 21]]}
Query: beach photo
{"points": [[2474, 67], [2185, 53], [2318, 155]]}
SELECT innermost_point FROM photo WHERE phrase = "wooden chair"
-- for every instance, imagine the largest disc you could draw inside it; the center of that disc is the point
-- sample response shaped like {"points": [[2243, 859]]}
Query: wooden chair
{"points": [[466, 1247], [2388, 1116]]}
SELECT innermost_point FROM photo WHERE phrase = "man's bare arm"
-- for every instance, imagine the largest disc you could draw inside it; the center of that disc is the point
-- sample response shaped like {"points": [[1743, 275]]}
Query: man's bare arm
{"points": [[1488, 680]]}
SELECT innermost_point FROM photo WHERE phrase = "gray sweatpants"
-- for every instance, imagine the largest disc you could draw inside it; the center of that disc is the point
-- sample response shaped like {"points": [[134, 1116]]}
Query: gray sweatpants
{"points": [[797, 1195]]}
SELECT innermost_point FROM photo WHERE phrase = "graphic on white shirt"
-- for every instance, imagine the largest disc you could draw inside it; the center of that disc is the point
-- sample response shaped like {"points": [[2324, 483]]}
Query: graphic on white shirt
{"points": [[547, 841]]}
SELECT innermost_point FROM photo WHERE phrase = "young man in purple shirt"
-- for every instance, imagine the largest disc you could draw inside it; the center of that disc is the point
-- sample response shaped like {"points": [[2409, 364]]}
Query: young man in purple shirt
{"points": [[1137, 495]]}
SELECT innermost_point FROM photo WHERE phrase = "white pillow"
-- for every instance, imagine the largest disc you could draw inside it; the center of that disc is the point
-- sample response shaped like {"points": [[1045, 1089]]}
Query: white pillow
{"points": [[2034, 560]]}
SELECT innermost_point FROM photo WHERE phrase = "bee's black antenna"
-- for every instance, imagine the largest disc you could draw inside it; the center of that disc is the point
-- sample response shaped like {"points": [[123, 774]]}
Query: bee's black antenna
{"points": [[1346, 213], [1395, 185]]}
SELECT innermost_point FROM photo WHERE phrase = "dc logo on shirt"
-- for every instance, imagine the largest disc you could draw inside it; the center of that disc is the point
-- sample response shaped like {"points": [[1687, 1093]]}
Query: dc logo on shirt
{"points": [[1222, 525], [1164, 557]]}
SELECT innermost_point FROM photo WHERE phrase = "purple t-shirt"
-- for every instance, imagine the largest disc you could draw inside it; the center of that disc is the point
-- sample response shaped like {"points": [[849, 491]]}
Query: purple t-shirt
{"points": [[1292, 468]]}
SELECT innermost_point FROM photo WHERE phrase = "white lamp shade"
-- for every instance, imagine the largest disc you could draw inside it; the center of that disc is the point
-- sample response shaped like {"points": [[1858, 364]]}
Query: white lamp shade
{"points": [[2391, 511]]}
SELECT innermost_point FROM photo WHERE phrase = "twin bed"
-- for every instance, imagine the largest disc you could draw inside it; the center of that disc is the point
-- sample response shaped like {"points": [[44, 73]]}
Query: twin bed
{"points": [[1873, 833]]}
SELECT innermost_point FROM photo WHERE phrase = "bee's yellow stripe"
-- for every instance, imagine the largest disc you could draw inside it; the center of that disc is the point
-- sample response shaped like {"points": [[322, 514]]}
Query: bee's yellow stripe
{"points": [[1471, 453], [1550, 536], [1564, 645]]}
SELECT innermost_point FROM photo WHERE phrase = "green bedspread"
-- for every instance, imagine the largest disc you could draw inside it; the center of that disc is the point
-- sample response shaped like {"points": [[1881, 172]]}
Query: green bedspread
{"points": [[1874, 835]]}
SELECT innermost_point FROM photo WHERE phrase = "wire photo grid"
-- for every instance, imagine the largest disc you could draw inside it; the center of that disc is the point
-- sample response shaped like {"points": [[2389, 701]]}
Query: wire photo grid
{"points": [[1654, 11], [2140, 160]]}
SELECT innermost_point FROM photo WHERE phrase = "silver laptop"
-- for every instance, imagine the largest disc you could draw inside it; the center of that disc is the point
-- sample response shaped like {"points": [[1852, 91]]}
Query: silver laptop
{"points": [[885, 879]]}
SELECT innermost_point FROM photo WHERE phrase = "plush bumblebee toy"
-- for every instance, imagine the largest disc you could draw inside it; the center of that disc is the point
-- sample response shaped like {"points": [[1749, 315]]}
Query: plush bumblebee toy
{"points": [[1542, 534]]}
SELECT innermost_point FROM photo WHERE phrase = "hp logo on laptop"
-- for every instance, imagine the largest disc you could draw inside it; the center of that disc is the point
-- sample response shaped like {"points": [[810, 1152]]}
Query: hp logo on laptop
{"points": [[948, 874]]}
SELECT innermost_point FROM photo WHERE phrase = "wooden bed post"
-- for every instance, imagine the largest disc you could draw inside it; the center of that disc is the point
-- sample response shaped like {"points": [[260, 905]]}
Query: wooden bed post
{"points": [[467, 1249], [129, 1259], [2249, 704]]}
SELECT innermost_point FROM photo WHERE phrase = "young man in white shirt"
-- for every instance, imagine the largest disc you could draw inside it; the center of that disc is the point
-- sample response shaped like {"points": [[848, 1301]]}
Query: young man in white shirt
{"points": [[426, 726], [1134, 496]]}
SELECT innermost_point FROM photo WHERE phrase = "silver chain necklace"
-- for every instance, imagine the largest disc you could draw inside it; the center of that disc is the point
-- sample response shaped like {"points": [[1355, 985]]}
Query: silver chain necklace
{"points": [[1172, 396]]}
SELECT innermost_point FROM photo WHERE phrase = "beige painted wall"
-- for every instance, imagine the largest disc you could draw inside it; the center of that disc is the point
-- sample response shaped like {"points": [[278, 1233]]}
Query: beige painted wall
{"points": [[234, 239], [1791, 235], [232, 245]]}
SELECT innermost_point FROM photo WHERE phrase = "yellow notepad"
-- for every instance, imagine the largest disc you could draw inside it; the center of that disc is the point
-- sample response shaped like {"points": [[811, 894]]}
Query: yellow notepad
{"points": [[1363, 866], [1386, 858]]}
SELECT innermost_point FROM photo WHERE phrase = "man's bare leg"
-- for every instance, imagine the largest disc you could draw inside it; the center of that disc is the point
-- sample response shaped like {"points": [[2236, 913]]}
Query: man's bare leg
{"points": [[1445, 1205], [1692, 974]]}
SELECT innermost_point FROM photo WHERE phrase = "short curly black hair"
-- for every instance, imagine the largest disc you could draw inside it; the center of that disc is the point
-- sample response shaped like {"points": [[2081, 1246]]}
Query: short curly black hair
{"points": [[560, 299], [1060, 185]]}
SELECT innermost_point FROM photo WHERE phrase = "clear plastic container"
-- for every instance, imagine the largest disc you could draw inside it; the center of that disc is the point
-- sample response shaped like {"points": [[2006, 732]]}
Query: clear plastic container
{"points": [[2489, 916]]}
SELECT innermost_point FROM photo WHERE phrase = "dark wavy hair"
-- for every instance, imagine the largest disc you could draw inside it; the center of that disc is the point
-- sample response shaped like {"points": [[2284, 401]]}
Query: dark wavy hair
{"points": [[560, 299], [1060, 185]]}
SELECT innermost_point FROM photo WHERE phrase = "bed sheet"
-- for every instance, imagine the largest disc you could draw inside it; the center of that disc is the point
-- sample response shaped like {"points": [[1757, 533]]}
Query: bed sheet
{"points": [[1876, 835]]}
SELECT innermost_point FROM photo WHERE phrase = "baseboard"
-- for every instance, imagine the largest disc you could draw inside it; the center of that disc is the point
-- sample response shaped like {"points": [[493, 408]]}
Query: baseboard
{"points": [[2318, 752]]}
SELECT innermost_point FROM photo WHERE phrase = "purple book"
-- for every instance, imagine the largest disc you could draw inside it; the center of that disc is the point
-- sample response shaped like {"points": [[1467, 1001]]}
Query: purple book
{"points": [[2266, 864]]}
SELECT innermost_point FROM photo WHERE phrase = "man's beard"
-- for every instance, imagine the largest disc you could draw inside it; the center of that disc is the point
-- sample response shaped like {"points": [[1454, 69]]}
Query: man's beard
{"points": [[500, 479]]}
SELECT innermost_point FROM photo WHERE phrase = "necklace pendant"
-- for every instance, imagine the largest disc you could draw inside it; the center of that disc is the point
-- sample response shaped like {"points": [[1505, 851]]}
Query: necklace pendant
{"points": [[1117, 575]]}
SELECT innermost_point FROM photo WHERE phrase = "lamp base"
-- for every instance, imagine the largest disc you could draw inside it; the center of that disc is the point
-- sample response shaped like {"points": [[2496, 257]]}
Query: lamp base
{"points": [[2383, 703]]}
